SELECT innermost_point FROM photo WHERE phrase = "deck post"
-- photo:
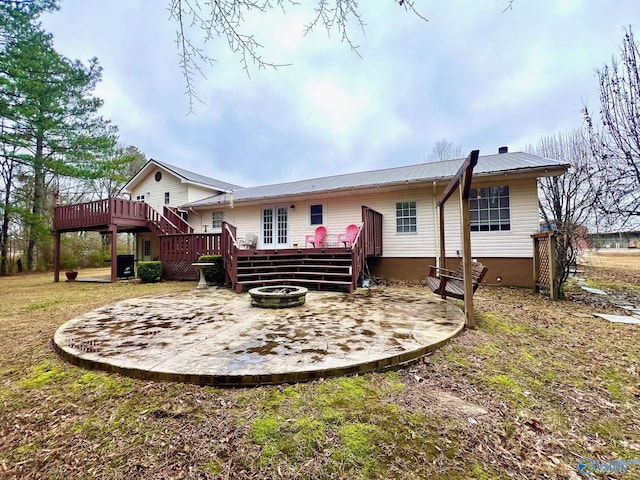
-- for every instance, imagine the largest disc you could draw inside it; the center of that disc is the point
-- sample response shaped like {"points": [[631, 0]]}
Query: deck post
{"points": [[462, 180], [114, 252], [466, 255], [56, 256]]}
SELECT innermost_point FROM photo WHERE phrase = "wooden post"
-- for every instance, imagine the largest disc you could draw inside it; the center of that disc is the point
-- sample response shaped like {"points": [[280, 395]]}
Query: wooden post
{"points": [[536, 263], [462, 180], [114, 252], [466, 259], [552, 266], [56, 257]]}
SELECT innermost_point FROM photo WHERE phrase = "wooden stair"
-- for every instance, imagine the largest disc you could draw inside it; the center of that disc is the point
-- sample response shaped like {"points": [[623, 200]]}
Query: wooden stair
{"points": [[316, 271]]}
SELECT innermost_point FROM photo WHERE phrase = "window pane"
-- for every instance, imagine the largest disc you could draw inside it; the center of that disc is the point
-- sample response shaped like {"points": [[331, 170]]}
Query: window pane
{"points": [[406, 217], [216, 219], [489, 209], [316, 214]]}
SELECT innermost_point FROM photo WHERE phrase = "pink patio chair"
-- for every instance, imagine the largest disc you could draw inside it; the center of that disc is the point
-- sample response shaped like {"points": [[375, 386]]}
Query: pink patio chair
{"points": [[317, 239], [349, 237]]}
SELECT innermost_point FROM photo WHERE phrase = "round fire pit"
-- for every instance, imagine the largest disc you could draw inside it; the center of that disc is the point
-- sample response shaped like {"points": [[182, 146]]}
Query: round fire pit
{"points": [[278, 296]]}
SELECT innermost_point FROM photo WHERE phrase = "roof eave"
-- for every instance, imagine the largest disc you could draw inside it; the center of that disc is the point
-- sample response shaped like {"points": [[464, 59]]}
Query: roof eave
{"points": [[515, 173]]}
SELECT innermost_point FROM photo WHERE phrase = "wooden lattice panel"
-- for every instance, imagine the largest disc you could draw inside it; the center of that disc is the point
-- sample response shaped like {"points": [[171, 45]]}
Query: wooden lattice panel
{"points": [[179, 270], [544, 270]]}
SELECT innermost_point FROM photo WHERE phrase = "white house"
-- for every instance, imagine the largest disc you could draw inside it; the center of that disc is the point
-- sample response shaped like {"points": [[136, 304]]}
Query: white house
{"points": [[504, 212]]}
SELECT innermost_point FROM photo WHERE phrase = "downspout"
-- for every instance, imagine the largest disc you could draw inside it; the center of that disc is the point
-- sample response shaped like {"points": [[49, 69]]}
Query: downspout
{"points": [[436, 222]]}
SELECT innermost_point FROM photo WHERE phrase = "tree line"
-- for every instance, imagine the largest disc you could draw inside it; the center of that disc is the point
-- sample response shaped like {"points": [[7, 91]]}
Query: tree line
{"points": [[54, 144]]}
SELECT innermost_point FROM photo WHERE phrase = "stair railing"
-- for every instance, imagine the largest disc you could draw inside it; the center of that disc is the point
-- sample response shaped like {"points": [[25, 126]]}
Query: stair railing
{"points": [[180, 223], [229, 248], [358, 256], [162, 224]]}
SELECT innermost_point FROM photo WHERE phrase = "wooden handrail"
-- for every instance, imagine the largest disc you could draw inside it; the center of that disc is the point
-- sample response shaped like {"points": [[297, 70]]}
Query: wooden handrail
{"points": [[229, 254], [171, 214], [358, 256]]}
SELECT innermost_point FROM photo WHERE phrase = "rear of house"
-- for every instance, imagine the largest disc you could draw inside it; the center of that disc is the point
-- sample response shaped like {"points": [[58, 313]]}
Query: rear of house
{"points": [[263, 231], [504, 214]]}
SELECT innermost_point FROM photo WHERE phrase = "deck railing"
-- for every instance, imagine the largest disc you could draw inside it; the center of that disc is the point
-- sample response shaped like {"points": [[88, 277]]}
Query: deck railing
{"points": [[81, 214], [162, 224], [229, 249], [358, 256], [373, 231], [98, 212], [171, 214], [178, 251]]}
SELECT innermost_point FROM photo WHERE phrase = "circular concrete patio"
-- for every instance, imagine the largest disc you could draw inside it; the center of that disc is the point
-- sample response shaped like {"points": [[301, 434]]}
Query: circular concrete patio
{"points": [[215, 336]]}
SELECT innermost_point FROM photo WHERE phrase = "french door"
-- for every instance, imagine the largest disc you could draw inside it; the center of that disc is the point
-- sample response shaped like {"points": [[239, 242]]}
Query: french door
{"points": [[275, 227]]}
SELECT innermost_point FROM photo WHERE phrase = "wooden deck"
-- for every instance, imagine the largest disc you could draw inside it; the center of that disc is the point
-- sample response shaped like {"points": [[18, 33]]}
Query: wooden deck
{"points": [[101, 214], [328, 268]]}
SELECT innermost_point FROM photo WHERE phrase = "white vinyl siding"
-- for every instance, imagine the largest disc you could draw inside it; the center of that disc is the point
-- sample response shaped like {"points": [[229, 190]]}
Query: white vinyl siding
{"points": [[194, 193], [154, 192], [341, 211]]}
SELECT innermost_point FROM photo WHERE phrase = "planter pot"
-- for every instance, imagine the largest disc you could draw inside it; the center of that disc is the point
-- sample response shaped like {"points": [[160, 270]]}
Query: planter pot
{"points": [[71, 276]]}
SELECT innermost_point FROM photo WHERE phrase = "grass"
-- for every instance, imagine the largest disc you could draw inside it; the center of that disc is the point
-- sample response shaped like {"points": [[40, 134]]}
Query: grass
{"points": [[526, 394]]}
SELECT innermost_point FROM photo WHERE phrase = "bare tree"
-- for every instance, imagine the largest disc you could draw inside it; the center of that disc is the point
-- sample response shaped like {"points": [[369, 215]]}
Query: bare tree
{"points": [[444, 150], [616, 143], [225, 18], [566, 202]]}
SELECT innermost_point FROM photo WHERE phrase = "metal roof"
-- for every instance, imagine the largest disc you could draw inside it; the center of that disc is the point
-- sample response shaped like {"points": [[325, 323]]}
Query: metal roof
{"points": [[185, 175], [487, 164], [197, 178]]}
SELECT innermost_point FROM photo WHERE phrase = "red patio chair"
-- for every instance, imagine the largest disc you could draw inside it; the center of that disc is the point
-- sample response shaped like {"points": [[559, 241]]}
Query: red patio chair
{"points": [[349, 237], [317, 239]]}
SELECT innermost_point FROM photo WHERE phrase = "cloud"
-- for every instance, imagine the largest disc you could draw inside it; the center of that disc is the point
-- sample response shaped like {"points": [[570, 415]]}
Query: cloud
{"points": [[472, 75]]}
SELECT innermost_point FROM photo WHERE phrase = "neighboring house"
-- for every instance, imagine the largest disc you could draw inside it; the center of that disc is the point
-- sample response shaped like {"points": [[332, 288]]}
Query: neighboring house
{"points": [[395, 209], [628, 239]]}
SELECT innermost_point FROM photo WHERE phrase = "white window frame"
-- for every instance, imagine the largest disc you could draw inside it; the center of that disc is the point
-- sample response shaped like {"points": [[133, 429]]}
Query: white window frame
{"points": [[408, 210], [490, 209], [167, 198], [216, 223]]}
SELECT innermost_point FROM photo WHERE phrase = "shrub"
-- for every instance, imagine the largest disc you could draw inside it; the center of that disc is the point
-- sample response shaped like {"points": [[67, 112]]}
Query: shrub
{"points": [[149, 271], [68, 260], [213, 274]]}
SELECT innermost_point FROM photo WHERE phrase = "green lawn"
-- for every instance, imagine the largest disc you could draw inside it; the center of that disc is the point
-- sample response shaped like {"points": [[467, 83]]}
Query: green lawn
{"points": [[527, 394]]}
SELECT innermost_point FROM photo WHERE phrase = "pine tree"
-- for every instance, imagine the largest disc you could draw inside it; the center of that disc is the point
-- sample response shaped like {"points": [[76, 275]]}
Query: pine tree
{"points": [[49, 114]]}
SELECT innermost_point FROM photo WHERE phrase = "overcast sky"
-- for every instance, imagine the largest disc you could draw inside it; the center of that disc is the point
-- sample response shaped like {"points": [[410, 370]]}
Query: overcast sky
{"points": [[472, 75]]}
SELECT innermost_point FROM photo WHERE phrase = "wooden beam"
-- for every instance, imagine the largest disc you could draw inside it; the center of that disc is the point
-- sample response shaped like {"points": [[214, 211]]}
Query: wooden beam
{"points": [[553, 284], [56, 257], [114, 252], [467, 172], [466, 259], [468, 165], [462, 179]]}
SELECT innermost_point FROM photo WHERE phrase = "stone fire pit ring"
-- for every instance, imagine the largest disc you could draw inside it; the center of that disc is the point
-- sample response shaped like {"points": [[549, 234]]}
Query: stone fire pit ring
{"points": [[278, 296]]}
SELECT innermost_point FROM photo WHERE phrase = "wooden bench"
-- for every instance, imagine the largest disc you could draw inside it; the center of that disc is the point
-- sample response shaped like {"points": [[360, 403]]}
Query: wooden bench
{"points": [[449, 283]]}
